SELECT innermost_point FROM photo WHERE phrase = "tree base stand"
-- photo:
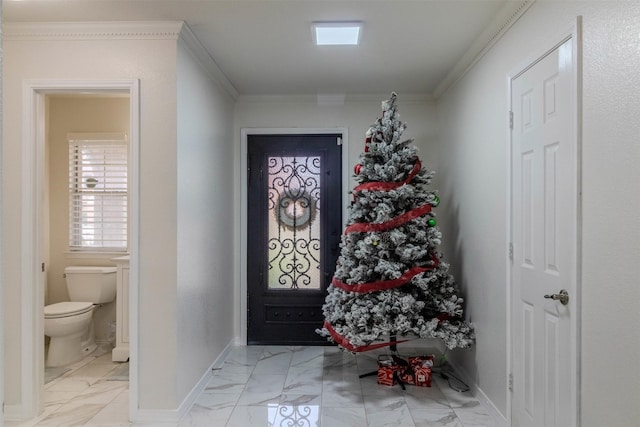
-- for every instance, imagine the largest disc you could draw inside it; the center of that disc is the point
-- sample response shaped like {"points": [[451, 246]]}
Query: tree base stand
{"points": [[368, 374]]}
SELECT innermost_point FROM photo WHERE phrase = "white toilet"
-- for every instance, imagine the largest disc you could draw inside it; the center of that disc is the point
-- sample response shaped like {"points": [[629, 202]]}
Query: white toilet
{"points": [[69, 324]]}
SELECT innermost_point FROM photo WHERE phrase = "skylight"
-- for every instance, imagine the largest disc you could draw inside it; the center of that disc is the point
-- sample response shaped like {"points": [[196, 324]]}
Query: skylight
{"points": [[336, 33]]}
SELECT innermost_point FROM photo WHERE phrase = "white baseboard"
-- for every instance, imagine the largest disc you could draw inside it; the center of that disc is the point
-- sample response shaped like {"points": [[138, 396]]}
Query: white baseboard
{"points": [[155, 417], [13, 413], [494, 413], [191, 398], [173, 416]]}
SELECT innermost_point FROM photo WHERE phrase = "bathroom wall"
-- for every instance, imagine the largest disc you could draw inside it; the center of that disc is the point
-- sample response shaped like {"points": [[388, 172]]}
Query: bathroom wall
{"points": [[135, 52], [68, 114]]}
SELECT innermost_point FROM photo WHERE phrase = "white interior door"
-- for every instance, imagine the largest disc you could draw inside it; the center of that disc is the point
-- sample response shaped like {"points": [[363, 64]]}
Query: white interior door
{"points": [[544, 186]]}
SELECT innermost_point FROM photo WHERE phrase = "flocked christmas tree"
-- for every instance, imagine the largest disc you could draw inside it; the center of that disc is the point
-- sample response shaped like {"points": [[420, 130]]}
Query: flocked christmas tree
{"points": [[390, 280]]}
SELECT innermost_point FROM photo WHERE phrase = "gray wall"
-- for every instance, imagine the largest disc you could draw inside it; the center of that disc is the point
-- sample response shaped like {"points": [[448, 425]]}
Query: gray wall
{"points": [[473, 160], [205, 172]]}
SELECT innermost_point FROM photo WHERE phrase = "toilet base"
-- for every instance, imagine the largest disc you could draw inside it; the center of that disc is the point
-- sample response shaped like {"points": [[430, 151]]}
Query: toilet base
{"points": [[71, 339], [64, 350], [88, 340]]}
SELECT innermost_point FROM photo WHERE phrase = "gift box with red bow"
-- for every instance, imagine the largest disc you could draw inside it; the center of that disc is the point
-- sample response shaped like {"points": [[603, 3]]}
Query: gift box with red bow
{"points": [[414, 370], [421, 367], [388, 368]]}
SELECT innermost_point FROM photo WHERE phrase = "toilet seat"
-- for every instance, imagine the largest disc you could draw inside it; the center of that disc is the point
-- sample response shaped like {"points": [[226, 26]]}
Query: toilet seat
{"points": [[66, 309]]}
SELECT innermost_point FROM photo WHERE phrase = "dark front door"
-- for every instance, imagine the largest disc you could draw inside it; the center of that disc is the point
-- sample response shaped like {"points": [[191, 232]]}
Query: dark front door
{"points": [[293, 233]]}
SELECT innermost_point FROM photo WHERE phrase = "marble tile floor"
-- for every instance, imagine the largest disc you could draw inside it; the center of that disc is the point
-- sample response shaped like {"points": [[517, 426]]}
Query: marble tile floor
{"points": [[320, 386], [273, 386], [84, 396]]}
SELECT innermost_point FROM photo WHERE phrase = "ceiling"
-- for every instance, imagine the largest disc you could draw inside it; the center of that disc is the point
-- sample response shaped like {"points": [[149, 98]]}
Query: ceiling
{"points": [[264, 47]]}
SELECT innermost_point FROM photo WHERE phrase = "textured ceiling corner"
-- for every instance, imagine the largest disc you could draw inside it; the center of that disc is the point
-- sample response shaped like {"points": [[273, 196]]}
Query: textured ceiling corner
{"points": [[506, 17]]}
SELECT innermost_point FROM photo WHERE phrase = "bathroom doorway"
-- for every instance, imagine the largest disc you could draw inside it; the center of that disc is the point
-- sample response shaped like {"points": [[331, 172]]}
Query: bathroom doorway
{"points": [[85, 222], [54, 109]]}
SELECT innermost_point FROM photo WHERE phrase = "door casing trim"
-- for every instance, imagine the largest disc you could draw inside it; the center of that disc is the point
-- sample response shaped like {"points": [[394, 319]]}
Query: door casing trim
{"points": [[241, 333], [33, 140]]}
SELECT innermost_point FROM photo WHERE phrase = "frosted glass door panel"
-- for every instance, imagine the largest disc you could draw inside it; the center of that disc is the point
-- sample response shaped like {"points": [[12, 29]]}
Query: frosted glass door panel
{"points": [[294, 228]]}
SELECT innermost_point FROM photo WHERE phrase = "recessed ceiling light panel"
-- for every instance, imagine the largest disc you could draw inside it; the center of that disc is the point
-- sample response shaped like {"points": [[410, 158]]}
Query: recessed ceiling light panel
{"points": [[336, 33]]}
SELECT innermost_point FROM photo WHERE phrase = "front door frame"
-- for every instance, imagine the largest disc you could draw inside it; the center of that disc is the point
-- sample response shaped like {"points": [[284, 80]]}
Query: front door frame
{"points": [[245, 132], [573, 33]]}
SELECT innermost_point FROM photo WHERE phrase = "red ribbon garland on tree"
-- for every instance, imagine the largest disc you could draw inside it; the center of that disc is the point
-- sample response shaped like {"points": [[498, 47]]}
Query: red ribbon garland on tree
{"points": [[344, 342], [387, 186], [382, 285], [362, 227]]}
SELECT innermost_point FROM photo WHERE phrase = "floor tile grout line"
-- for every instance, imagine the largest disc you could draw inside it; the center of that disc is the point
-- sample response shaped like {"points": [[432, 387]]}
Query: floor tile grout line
{"points": [[243, 389]]}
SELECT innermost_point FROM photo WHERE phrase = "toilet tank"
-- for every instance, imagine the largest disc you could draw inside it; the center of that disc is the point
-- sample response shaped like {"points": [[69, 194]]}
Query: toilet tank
{"points": [[91, 284]]}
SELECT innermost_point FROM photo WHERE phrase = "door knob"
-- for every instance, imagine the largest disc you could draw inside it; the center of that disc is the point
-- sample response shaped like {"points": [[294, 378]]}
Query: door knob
{"points": [[563, 297]]}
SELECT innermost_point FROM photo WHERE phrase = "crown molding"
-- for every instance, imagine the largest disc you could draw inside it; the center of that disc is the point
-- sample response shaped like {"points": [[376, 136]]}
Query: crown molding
{"points": [[333, 100], [505, 18], [191, 42], [127, 30], [124, 30]]}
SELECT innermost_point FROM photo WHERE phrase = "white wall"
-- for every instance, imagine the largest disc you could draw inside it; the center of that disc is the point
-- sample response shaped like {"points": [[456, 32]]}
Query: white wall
{"points": [[472, 161], [153, 62], [356, 114], [205, 197]]}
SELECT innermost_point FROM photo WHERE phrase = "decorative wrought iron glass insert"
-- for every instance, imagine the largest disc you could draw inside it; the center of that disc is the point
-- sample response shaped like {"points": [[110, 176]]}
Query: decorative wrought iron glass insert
{"points": [[294, 227]]}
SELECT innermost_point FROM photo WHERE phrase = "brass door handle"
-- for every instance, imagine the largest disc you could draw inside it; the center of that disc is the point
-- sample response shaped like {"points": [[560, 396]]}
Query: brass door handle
{"points": [[563, 297]]}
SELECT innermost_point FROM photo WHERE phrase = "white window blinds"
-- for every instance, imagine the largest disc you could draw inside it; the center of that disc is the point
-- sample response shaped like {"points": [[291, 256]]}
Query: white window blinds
{"points": [[98, 193]]}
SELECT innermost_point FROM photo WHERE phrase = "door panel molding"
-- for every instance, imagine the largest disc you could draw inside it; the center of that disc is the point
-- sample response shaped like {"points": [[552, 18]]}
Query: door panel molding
{"points": [[573, 36], [241, 293]]}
